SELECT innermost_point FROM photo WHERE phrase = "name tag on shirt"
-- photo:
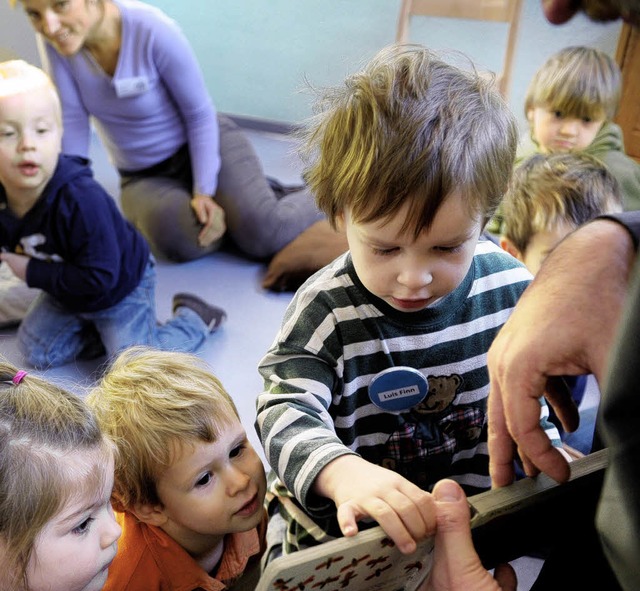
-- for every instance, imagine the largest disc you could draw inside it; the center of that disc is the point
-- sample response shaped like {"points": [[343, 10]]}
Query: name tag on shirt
{"points": [[126, 87], [398, 389]]}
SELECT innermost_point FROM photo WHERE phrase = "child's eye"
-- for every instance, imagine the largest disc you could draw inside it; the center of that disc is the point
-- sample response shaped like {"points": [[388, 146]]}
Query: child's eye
{"points": [[383, 251], [83, 527], [236, 451], [61, 5], [586, 119], [449, 249], [204, 480], [42, 130], [558, 114], [7, 133]]}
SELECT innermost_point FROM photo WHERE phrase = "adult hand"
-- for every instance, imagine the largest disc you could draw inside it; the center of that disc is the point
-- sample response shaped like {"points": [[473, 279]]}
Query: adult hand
{"points": [[17, 263], [362, 489], [560, 11], [564, 324], [212, 218], [456, 565]]}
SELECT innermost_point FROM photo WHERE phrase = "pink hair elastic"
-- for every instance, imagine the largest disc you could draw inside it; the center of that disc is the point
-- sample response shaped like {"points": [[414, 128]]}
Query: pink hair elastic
{"points": [[19, 377]]}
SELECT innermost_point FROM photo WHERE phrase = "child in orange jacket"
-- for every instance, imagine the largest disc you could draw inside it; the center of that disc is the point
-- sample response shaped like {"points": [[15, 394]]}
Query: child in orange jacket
{"points": [[189, 487]]}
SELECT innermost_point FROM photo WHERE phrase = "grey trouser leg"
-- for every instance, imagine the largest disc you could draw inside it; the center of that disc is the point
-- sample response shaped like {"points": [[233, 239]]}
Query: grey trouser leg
{"points": [[259, 223], [160, 208]]}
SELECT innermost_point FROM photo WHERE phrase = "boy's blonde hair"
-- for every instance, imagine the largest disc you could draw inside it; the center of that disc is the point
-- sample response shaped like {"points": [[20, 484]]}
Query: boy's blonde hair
{"points": [[409, 128], [550, 189], [148, 403], [20, 77], [40, 426], [580, 82]]}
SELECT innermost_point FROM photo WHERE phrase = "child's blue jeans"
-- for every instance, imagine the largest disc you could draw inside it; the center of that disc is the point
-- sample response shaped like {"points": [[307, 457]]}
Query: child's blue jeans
{"points": [[51, 335]]}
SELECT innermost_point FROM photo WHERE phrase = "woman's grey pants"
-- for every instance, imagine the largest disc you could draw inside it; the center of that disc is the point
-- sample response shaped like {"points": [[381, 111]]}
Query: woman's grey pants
{"points": [[259, 222]]}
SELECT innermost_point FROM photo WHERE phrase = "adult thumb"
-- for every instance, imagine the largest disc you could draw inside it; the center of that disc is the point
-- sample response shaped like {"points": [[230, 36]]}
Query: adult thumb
{"points": [[456, 565]]}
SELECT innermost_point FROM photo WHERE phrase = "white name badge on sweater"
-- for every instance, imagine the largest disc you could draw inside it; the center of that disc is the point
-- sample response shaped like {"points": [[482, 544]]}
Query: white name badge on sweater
{"points": [[126, 87]]}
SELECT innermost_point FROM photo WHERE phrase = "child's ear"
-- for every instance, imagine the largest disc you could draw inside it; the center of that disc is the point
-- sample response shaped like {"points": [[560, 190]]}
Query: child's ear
{"points": [[530, 116], [507, 245], [150, 514], [339, 222]]}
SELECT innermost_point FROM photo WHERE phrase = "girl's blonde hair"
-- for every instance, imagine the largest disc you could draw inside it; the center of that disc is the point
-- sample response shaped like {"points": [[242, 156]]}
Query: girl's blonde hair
{"points": [[40, 424], [580, 82], [149, 402]]}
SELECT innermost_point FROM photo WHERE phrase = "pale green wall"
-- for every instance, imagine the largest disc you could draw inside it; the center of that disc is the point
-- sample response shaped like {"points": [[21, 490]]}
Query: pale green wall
{"points": [[256, 54]]}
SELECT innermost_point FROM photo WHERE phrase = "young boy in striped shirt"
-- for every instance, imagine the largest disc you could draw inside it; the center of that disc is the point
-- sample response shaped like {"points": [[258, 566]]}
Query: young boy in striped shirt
{"points": [[376, 385]]}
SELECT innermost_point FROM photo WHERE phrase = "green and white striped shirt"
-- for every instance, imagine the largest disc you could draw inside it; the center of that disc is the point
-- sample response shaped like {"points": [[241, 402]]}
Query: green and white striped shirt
{"points": [[335, 337]]}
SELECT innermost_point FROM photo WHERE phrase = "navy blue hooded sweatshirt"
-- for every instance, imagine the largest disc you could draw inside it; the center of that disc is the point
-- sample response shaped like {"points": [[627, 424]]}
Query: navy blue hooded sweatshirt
{"points": [[83, 252]]}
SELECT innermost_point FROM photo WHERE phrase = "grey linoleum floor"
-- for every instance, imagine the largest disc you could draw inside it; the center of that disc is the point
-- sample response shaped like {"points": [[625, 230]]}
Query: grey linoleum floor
{"points": [[233, 283]]}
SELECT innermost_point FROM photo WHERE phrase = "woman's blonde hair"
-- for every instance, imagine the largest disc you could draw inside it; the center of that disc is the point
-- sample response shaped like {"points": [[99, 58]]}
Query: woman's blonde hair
{"points": [[580, 82], [409, 128], [148, 402], [40, 425]]}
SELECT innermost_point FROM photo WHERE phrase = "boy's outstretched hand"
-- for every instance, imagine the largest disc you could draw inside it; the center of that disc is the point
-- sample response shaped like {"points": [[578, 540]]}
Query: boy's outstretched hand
{"points": [[361, 489]]}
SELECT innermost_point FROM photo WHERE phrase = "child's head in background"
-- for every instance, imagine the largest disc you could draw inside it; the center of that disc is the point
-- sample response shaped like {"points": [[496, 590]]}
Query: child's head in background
{"points": [[184, 463], [57, 529], [30, 130], [550, 196], [410, 157], [570, 97]]}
